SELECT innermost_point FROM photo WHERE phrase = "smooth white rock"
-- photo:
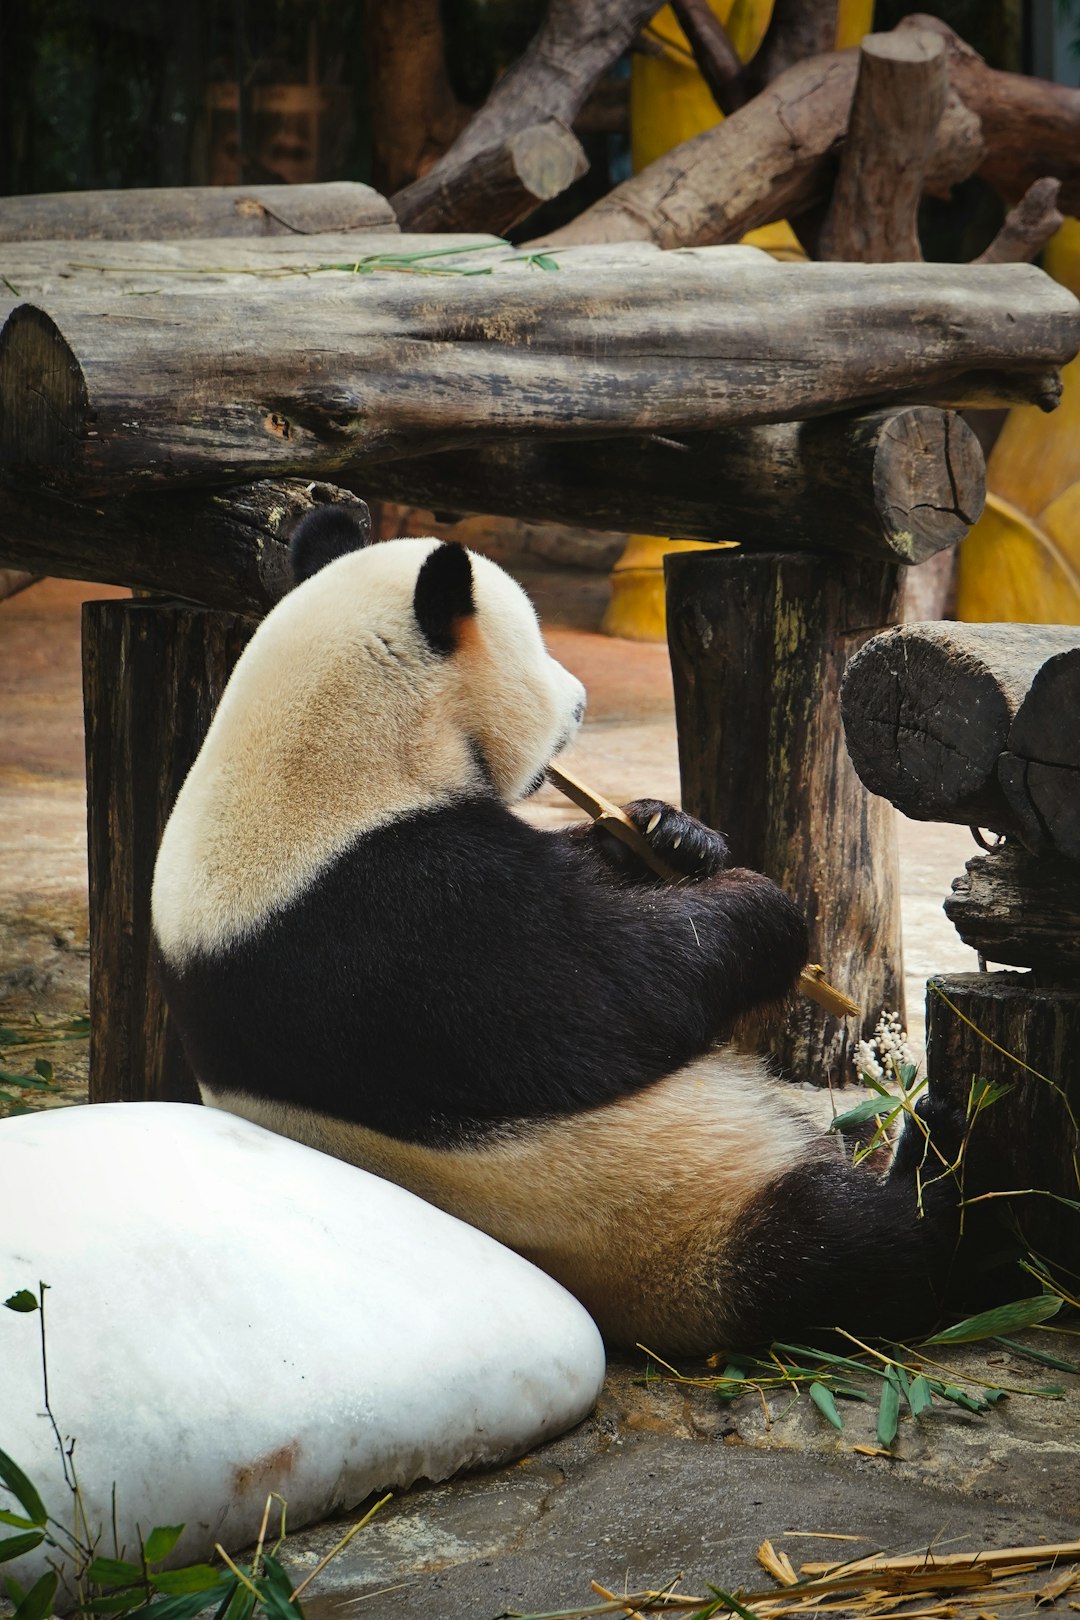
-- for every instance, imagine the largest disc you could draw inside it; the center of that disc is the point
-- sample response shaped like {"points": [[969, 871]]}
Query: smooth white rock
{"points": [[230, 1313]]}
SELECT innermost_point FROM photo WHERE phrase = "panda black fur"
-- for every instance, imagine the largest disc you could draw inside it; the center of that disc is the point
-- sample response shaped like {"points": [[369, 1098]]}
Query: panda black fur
{"points": [[364, 947]]}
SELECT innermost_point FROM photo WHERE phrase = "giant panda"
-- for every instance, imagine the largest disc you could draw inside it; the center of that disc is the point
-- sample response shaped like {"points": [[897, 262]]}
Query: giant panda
{"points": [[365, 948]]}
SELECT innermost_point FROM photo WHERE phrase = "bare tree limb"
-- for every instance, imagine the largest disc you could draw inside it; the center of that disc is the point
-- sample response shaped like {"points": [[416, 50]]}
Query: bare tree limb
{"points": [[716, 57], [1027, 227]]}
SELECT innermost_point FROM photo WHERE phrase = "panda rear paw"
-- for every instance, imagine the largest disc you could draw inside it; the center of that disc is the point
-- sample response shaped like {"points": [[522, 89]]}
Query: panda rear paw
{"points": [[687, 845]]}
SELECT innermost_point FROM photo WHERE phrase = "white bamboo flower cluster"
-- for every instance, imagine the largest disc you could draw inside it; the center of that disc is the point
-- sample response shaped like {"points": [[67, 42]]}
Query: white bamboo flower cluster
{"points": [[886, 1054]]}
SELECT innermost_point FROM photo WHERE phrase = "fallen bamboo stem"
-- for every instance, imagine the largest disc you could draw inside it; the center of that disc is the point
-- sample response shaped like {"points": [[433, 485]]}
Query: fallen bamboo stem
{"points": [[812, 980], [1003, 1558]]}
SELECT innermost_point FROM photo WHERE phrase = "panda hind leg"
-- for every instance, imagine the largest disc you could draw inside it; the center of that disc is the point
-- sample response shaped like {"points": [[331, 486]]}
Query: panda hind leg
{"points": [[826, 1247]]}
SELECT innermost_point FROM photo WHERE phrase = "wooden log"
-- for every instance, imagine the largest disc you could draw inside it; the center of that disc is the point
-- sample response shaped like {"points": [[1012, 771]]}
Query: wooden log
{"points": [[899, 99], [928, 709], [226, 550], [759, 643], [414, 114], [1039, 771], [1027, 227], [717, 59], [150, 391], [576, 44], [1022, 909], [1031, 127], [170, 211], [497, 187], [231, 265], [908, 483], [1007, 1030], [797, 29], [153, 675]]}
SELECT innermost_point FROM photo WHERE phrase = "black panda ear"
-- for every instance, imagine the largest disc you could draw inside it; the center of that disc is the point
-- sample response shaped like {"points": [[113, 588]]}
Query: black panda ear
{"points": [[444, 595], [325, 533]]}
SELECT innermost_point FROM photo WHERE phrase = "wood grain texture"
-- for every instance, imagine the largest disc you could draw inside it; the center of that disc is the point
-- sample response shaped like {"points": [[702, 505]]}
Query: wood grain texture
{"points": [[129, 394], [928, 710], [1021, 909], [759, 644], [177, 211], [224, 549], [153, 675], [1028, 1138], [899, 98], [1039, 771], [901, 485], [1027, 227], [497, 187]]}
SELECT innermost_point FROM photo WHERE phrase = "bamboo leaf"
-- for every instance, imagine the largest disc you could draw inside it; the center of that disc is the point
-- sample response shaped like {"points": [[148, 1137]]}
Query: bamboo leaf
{"points": [[919, 1396], [193, 1578], [888, 1411], [15, 1546], [826, 1405], [16, 1521], [113, 1572], [1003, 1319], [22, 1300], [1031, 1354], [870, 1109], [38, 1602], [161, 1541], [21, 1489], [193, 1603]]}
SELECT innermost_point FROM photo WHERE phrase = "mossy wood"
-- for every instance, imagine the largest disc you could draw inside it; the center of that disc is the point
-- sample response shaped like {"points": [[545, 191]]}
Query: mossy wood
{"points": [[759, 644], [972, 723], [225, 549], [153, 674], [320, 376], [168, 211], [999, 1028], [1021, 909], [900, 484]]}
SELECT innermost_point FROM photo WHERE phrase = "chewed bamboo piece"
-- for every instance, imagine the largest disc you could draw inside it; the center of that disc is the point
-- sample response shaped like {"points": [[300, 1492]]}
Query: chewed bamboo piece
{"points": [[812, 980]]}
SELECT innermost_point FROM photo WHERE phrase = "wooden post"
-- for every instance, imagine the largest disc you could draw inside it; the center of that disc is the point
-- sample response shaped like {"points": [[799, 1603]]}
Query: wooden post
{"points": [[1016, 1031], [759, 644], [153, 673]]}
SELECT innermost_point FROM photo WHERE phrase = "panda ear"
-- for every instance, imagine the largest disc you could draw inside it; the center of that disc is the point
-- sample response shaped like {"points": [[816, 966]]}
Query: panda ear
{"points": [[324, 534], [444, 595]]}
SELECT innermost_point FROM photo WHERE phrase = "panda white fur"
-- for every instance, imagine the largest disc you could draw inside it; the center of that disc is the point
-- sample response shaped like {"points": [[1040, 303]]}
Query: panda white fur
{"points": [[366, 949]]}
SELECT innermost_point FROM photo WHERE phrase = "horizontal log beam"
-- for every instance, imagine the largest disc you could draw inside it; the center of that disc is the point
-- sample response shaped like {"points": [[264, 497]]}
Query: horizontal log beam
{"points": [[226, 550], [1020, 909], [498, 186], [323, 375], [179, 211], [929, 711], [896, 485], [1039, 771]]}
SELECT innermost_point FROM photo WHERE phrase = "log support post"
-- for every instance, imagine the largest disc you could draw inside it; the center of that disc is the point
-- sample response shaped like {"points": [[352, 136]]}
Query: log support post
{"points": [[153, 673], [759, 643], [1023, 1035]]}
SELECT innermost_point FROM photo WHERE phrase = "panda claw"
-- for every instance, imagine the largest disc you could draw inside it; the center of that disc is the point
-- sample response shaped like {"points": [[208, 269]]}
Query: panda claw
{"points": [[654, 822]]}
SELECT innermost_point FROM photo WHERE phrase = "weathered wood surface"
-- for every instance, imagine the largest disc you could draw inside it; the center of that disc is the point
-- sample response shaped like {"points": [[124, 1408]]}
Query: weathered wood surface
{"points": [[1027, 227], [894, 484], [772, 159], [152, 678], [414, 114], [797, 29], [1021, 909], [1031, 127], [1028, 1137], [226, 549], [758, 645], [717, 60], [900, 94], [575, 45], [319, 377], [497, 187], [928, 710], [177, 211], [1039, 771], [231, 265]]}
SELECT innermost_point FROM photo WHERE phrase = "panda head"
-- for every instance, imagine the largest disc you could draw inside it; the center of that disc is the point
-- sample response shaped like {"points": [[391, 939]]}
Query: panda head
{"points": [[436, 636]]}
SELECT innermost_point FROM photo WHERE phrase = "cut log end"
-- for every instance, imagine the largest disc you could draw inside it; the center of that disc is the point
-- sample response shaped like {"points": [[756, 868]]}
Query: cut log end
{"points": [[46, 404], [929, 480]]}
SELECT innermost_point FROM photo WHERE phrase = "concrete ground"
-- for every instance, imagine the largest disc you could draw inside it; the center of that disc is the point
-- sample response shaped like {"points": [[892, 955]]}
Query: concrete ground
{"points": [[662, 1478]]}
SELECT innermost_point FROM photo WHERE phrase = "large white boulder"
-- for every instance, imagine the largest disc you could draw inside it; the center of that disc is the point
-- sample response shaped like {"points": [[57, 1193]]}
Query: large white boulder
{"points": [[230, 1313]]}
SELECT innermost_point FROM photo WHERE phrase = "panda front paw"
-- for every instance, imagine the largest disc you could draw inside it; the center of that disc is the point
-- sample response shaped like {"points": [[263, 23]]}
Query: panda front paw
{"points": [[688, 846]]}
